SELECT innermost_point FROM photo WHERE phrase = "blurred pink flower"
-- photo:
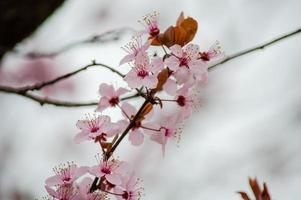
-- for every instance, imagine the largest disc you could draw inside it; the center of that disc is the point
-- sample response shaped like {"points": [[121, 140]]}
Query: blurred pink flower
{"points": [[109, 96], [66, 192], [133, 48], [66, 174], [143, 73], [150, 21], [185, 63], [214, 52], [98, 126], [129, 188], [112, 170]]}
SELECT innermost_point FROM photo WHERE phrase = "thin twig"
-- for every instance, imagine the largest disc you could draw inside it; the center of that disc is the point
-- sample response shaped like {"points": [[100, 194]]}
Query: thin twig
{"points": [[108, 36], [258, 47], [45, 100], [56, 102], [41, 85]]}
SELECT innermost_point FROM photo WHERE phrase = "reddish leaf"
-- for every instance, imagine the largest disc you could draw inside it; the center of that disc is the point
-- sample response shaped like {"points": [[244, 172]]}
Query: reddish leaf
{"points": [[180, 18], [244, 195]]}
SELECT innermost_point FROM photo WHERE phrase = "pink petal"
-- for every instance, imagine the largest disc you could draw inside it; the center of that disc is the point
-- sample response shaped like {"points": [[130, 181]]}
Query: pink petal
{"points": [[127, 58], [157, 65], [123, 168], [170, 87], [142, 59], [176, 50], [83, 125], [121, 91], [81, 171], [103, 104], [95, 170], [114, 179], [145, 46], [182, 75], [80, 137], [150, 81], [106, 90], [51, 192], [53, 180], [192, 51], [128, 109], [132, 79], [172, 63], [136, 137], [111, 129]]}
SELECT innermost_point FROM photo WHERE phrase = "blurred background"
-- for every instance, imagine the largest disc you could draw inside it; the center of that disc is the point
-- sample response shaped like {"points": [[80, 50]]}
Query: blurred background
{"points": [[249, 123]]}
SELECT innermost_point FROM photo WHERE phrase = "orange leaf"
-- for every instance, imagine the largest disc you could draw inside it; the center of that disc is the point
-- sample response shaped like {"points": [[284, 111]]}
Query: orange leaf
{"points": [[180, 18], [162, 78], [190, 26], [244, 195], [145, 111]]}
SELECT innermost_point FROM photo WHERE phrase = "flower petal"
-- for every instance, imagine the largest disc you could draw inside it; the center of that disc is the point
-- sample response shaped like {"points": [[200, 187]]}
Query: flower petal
{"points": [[114, 179], [136, 137]]}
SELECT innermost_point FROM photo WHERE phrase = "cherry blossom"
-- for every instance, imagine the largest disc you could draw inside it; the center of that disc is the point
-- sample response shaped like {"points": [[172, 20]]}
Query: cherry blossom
{"points": [[109, 96], [144, 73], [185, 63], [169, 127], [133, 48], [130, 188], [84, 191], [150, 21], [136, 136], [213, 53], [66, 174], [66, 192], [92, 128], [110, 169]]}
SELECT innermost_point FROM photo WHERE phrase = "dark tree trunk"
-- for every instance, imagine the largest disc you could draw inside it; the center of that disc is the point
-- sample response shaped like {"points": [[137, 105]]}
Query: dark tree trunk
{"points": [[20, 18]]}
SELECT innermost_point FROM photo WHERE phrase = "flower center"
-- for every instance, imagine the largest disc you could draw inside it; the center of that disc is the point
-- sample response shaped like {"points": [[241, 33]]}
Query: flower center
{"points": [[142, 73], [184, 62], [204, 56], [106, 170], [66, 179], [94, 129], [114, 101], [154, 31], [181, 100], [167, 132]]}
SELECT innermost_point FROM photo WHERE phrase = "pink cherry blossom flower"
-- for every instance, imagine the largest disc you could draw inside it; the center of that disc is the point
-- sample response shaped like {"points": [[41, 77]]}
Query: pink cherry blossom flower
{"points": [[130, 188], [136, 136], [150, 21], [213, 53], [66, 174], [133, 48], [95, 127], [186, 101], [65, 192], [109, 96], [169, 128], [84, 191], [143, 73], [185, 63], [110, 169]]}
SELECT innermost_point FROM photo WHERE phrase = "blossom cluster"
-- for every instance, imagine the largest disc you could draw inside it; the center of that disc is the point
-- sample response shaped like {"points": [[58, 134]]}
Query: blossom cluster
{"points": [[171, 78]]}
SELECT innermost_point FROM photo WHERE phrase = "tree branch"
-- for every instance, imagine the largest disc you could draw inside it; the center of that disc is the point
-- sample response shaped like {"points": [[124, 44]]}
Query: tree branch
{"points": [[25, 91], [259, 47], [108, 36], [55, 102], [41, 85]]}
